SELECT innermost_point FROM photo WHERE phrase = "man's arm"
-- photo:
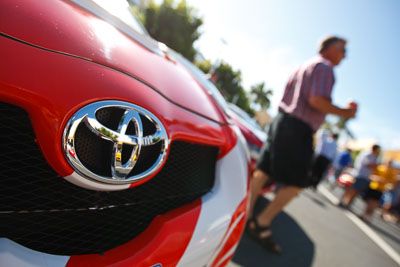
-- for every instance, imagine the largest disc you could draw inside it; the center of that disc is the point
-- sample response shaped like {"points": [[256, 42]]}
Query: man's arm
{"points": [[372, 165], [325, 105], [376, 178]]}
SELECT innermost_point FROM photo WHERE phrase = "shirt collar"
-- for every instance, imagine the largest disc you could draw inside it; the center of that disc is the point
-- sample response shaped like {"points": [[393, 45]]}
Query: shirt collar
{"points": [[325, 60]]}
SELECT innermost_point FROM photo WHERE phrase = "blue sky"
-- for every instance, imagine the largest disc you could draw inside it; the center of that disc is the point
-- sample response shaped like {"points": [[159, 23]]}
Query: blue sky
{"points": [[267, 39]]}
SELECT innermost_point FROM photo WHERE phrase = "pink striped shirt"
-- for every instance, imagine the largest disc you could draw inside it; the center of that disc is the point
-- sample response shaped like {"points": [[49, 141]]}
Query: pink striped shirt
{"points": [[314, 78]]}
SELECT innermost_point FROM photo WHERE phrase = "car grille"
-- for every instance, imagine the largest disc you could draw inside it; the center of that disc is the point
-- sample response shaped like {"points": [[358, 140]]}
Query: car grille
{"points": [[42, 211]]}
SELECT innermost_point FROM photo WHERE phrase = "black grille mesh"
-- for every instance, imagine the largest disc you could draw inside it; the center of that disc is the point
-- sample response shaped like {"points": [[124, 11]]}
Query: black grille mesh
{"points": [[40, 210]]}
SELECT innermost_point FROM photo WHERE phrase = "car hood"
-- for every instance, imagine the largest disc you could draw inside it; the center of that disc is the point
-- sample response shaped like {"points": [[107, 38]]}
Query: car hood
{"points": [[56, 26]]}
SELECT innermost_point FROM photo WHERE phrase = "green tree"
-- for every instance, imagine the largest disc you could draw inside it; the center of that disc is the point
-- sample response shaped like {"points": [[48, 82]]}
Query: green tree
{"points": [[261, 95], [229, 83], [229, 80], [178, 27], [204, 65], [175, 25], [242, 101]]}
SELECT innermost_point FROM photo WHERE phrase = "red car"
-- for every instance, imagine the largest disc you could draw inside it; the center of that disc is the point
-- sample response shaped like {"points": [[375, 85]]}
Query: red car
{"points": [[112, 152], [255, 136]]}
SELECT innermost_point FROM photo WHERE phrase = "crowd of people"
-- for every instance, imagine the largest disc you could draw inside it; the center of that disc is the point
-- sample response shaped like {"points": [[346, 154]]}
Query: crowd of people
{"points": [[376, 183], [288, 156]]}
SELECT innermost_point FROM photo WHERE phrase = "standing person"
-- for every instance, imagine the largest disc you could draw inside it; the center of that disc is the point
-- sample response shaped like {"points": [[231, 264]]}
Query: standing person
{"points": [[391, 203], [382, 178], [344, 161], [288, 151], [325, 154], [365, 163], [213, 76]]}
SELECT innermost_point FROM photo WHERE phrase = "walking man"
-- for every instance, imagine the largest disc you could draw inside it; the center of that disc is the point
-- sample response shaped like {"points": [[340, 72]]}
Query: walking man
{"points": [[288, 151], [365, 163]]}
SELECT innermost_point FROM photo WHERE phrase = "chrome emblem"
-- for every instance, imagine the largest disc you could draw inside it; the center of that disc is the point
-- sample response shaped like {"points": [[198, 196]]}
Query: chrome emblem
{"points": [[125, 145]]}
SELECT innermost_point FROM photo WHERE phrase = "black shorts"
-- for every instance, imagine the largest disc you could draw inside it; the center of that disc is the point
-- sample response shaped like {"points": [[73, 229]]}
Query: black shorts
{"points": [[287, 154], [319, 167], [373, 194]]}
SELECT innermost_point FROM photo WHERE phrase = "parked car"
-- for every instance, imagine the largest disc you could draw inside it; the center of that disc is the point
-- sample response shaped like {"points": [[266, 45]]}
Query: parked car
{"points": [[112, 152], [254, 134]]}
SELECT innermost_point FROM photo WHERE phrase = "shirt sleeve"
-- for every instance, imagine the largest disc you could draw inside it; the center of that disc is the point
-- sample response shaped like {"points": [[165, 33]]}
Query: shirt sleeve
{"points": [[322, 81], [369, 159]]}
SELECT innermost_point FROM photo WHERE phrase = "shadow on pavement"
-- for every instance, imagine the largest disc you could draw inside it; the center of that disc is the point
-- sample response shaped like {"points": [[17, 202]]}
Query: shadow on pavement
{"points": [[313, 198], [297, 249], [385, 233]]}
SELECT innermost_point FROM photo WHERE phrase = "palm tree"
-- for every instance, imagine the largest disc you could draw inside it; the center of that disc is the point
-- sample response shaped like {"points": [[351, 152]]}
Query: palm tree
{"points": [[262, 95]]}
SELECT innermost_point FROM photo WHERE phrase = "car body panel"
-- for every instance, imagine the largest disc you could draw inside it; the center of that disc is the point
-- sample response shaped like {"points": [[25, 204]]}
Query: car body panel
{"points": [[78, 33], [15, 255], [54, 62], [50, 103], [254, 135], [203, 233]]}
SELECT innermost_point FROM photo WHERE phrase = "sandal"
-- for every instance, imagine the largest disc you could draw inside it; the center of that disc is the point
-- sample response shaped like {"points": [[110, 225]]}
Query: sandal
{"points": [[263, 235]]}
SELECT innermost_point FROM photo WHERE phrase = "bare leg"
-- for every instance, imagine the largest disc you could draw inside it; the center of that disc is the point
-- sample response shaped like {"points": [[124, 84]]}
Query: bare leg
{"points": [[370, 207], [386, 208], [257, 183], [282, 198], [348, 196]]}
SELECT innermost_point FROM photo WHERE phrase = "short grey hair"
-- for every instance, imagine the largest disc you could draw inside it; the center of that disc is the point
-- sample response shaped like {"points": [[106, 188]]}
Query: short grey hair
{"points": [[328, 41]]}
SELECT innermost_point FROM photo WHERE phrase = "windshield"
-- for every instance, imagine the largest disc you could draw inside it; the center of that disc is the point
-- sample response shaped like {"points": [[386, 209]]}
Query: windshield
{"points": [[119, 14], [121, 10]]}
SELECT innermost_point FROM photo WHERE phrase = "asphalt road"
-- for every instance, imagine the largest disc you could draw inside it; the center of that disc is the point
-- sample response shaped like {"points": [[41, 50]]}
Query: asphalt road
{"points": [[313, 231]]}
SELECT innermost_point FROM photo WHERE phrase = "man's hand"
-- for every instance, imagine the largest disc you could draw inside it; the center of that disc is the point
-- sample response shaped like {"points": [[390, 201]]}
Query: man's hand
{"points": [[325, 105], [348, 113]]}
